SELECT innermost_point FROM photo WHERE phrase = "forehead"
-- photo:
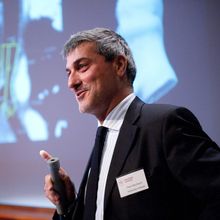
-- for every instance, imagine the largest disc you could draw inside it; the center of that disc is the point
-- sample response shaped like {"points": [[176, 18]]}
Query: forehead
{"points": [[83, 49]]}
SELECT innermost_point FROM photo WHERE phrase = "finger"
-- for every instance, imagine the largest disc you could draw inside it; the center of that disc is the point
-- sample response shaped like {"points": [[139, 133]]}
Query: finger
{"points": [[45, 155], [54, 198]]}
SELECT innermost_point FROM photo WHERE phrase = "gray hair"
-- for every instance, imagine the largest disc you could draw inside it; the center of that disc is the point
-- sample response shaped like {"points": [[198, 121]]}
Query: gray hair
{"points": [[108, 44]]}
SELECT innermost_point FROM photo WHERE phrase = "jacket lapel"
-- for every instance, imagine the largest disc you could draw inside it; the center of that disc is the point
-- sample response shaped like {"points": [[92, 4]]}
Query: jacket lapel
{"points": [[123, 146]]}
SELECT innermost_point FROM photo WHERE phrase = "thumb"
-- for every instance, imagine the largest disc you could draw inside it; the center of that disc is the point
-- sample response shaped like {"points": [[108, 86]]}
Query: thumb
{"points": [[45, 155]]}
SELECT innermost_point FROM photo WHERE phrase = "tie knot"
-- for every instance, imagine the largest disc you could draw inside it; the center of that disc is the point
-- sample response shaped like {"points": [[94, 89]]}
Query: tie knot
{"points": [[101, 132]]}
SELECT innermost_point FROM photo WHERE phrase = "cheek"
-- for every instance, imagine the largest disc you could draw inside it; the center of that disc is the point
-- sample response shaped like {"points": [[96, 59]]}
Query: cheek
{"points": [[98, 80], [89, 77]]}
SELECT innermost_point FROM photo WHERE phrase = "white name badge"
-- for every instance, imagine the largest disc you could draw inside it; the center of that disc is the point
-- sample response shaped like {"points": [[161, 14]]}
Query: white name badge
{"points": [[132, 183]]}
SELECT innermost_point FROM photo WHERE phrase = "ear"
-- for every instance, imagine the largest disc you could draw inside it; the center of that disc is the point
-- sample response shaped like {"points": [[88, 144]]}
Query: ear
{"points": [[120, 65]]}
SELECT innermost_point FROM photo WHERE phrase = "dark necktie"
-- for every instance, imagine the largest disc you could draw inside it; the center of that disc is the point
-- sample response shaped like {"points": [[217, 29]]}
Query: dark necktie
{"points": [[92, 184]]}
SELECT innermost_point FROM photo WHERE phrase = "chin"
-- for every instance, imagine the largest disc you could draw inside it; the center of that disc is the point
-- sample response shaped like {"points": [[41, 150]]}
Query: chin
{"points": [[86, 107], [83, 109], [81, 106]]}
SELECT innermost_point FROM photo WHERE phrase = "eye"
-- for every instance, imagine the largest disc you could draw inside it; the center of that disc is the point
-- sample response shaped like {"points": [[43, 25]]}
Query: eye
{"points": [[82, 66]]}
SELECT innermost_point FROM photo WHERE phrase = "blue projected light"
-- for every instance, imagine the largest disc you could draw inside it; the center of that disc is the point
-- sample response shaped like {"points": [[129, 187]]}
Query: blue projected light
{"points": [[15, 79], [35, 108], [36, 10], [140, 23]]}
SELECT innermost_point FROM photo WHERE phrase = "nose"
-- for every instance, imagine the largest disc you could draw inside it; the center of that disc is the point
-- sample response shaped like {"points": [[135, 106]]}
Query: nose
{"points": [[74, 80]]}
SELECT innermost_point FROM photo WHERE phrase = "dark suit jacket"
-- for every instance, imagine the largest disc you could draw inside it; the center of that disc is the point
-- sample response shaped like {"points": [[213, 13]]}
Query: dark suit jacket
{"points": [[181, 164]]}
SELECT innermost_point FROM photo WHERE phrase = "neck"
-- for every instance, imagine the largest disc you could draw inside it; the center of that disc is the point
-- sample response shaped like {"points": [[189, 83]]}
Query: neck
{"points": [[116, 101]]}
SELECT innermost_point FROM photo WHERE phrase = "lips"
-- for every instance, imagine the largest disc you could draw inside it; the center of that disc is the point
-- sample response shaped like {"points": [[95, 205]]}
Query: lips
{"points": [[80, 94]]}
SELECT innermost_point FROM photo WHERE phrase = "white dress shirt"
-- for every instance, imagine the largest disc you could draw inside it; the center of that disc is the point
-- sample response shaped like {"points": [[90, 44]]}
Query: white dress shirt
{"points": [[113, 122]]}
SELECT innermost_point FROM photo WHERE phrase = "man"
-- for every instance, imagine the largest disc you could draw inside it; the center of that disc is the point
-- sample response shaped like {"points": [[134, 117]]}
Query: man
{"points": [[157, 162]]}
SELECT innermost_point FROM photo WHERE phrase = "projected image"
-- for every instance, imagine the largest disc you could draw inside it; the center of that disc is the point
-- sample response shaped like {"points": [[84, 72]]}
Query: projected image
{"points": [[23, 97], [16, 105], [141, 24]]}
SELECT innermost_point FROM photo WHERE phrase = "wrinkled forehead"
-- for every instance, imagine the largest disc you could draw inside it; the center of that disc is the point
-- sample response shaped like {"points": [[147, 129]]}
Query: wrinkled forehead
{"points": [[82, 46], [85, 50]]}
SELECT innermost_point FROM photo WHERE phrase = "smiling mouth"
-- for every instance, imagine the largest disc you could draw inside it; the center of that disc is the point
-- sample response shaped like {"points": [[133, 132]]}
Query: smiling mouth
{"points": [[80, 94]]}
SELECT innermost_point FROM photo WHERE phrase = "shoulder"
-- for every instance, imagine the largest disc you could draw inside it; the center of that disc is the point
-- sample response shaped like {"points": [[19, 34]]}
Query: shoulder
{"points": [[158, 112], [153, 109]]}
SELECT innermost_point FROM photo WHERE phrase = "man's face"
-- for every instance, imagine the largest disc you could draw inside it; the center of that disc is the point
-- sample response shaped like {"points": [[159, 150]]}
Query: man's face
{"points": [[93, 80]]}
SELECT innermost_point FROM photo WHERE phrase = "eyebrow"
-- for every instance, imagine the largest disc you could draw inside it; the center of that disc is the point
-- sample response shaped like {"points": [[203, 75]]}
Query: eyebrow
{"points": [[75, 62]]}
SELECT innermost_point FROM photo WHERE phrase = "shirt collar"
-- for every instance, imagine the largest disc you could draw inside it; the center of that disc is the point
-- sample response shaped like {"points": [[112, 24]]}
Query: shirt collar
{"points": [[115, 118]]}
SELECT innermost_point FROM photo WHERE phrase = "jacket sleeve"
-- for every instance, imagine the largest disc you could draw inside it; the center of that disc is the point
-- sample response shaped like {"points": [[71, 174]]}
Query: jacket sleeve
{"points": [[194, 159]]}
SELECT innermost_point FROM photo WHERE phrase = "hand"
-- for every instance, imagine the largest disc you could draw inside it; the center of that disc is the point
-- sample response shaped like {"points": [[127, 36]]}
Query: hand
{"points": [[50, 193]]}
